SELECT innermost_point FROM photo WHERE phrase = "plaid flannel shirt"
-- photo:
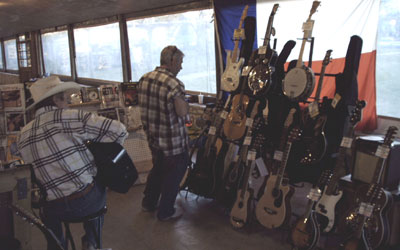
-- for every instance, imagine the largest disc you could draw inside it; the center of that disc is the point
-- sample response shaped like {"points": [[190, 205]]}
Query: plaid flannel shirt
{"points": [[54, 144], [165, 130]]}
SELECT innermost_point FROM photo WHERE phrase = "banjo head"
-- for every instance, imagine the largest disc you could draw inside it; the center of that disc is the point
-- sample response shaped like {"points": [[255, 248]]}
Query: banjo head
{"points": [[298, 83]]}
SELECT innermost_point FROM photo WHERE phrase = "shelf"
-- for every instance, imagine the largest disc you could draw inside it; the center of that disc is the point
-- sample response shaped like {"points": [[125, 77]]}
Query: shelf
{"points": [[84, 104]]}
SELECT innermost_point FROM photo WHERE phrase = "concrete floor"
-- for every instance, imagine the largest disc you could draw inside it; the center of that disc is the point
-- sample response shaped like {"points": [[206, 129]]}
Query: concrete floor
{"points": [[204, 225]]}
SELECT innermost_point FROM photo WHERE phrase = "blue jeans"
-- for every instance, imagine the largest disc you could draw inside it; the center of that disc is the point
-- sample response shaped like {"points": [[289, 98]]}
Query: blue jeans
{"points": [[56, 212], [163, 181]]}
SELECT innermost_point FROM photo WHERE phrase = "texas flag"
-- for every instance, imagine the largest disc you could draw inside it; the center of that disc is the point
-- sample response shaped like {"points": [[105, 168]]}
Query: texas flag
{"points": [[335, 22]]}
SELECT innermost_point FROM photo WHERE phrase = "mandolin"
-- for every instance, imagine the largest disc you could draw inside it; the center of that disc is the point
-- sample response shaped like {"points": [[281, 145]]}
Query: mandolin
{"points": [[259, 80], [325, 207], [273, 209], [313, 138], [299, 82], [367, 221], [306, 233], [230, 77]]}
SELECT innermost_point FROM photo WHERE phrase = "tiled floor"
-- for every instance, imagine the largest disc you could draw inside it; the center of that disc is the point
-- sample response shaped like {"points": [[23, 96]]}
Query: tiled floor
{"points": [[204, 225]]}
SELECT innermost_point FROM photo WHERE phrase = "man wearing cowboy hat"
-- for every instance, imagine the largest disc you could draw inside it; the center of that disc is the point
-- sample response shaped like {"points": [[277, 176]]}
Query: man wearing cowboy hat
{"points": [[54, 143]]}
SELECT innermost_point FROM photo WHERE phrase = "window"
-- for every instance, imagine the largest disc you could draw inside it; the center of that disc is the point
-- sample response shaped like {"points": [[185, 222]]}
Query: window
{"points": [[98, 52], [10, 50], [1, 57], [192, 32], [56, 53], [388, 60]]}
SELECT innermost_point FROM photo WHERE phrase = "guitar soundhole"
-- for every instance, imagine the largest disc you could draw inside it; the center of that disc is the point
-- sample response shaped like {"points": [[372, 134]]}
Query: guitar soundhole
{"points": [[240, 205], [277, 194]]}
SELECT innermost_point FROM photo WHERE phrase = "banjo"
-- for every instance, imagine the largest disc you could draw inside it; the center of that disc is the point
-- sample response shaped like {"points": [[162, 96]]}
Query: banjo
{"points": [[299, 82]]}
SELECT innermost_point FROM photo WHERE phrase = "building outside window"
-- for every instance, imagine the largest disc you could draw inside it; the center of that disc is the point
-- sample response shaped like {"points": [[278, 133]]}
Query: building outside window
{"points": [[56, 53]]}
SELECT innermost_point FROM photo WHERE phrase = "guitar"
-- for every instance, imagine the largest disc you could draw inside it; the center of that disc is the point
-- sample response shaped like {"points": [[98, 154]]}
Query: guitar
{"points": [[325, 207], [235, 171], [273, 209], [367, 220], [239, 215], [299, 82], [30, 218], [314, 123], [201, 179], [259, 80], [306, 233], [230, 77]]}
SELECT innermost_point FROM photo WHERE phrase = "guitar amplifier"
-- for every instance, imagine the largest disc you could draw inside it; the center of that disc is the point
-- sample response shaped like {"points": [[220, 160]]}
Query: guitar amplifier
{"points": [[365, 162]]}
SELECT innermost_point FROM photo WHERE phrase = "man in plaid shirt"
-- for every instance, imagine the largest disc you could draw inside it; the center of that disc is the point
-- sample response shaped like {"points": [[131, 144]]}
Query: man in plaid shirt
{"points": [[54, 143], [163, 113]]}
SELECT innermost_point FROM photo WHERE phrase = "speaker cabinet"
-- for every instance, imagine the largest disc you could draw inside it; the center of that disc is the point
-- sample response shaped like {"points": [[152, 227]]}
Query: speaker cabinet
{"points": [[365, 162]]}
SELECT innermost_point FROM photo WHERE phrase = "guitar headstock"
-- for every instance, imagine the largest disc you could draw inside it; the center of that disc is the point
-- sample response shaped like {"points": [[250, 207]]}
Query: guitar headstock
{"points": [[274, 9], [357, 113], [314, 8], [327, 58], [294, 135], [392, 130], [244, 14], [289, 118]]}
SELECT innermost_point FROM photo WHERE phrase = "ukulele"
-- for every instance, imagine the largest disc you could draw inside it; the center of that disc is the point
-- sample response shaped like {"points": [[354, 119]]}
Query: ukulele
{"points": [[259, 80], [299, 82], [239, 215], [306, 233], [325, 207], [367, 220], [273, 209], [230, 77], [314, 123], [235, 171]]}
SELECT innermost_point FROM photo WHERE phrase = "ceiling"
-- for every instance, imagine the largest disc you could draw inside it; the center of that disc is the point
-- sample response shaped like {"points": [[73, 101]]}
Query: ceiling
{"points": [[19, 16]]}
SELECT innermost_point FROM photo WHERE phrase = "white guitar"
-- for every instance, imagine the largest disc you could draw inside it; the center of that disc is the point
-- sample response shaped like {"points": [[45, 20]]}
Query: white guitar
{"points": [[230, 77], [299, 82]]}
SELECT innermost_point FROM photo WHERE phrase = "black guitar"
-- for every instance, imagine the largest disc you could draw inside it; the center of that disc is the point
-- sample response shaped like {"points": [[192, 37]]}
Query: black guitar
{"points": [[314, 119], [367, 222], [115, 168], [259, 80]]}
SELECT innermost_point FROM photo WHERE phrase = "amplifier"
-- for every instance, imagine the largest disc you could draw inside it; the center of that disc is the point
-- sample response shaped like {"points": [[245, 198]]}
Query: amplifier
{"points": [[365, 162]]}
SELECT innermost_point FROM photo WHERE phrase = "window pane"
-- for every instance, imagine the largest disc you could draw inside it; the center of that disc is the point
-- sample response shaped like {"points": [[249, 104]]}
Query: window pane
{"points": [[98, 52], [1, 57], [10, 49], [192, 32], [388, 59], [56, 53]]}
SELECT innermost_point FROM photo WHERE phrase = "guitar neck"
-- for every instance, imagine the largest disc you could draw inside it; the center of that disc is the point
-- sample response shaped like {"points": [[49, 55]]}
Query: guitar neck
{"points": [[234, 57], [299, 63], [282, 167], [320, 81]]}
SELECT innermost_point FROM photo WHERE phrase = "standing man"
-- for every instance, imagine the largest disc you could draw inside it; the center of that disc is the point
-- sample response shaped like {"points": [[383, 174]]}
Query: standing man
{"points": [[54, 143], [163, 111]]}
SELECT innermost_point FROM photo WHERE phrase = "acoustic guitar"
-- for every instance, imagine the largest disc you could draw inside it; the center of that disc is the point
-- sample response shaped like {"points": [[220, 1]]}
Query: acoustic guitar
{"points": [[273, 209], [325, 207], [367, 220], [259, 80], [230, 77], [299, 82], [313, 138]]}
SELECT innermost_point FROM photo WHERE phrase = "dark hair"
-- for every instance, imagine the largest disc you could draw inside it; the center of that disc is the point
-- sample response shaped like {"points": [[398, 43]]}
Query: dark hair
{"points": [[49, 101]]}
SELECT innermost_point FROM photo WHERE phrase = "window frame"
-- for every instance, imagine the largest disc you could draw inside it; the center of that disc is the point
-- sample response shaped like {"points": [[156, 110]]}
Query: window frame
{"points": [[12, 71]]}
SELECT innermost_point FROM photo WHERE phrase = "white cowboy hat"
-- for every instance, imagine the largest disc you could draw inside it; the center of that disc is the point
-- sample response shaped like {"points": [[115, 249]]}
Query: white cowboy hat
{"points": [[46, 87]]}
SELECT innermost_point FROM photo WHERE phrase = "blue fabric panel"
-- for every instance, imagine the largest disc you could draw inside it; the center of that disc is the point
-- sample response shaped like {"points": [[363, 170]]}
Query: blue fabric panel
{"points": [[228, 13]]}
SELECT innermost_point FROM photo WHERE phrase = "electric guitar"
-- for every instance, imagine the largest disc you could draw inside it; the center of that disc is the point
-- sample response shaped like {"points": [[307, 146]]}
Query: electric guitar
{"points": [[367, 220], [273, 209], [314, 120], [325, 207], [230, 77], [299, 82], [259, 80], [236, 168], [239, 215]]}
